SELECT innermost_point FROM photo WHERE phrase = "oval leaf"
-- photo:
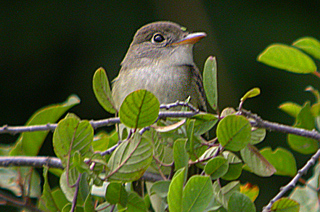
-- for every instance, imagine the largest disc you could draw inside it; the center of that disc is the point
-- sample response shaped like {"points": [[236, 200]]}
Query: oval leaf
{"points": [[287, 58], [240, 202], [234, 132], [285, 205], [197, 193], [139, 109], [72, 135], [101, 89], [256, 162], [282, 160], [131, 159], [216, 167], [290, 108], [210, 81], [309, 45], [174, 197]]}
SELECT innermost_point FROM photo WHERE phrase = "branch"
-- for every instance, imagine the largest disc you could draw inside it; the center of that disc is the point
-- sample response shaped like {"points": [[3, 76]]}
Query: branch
{"points": [[294, 181], [52, 162], [95, 124], [259, 122]]}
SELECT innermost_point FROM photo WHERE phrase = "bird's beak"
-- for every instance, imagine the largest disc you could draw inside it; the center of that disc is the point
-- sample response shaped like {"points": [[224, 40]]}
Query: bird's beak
{"points": [[191, 38]]}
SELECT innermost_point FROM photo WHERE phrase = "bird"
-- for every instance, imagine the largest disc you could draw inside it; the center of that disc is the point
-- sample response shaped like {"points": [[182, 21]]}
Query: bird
{"points": [[160, 60]]}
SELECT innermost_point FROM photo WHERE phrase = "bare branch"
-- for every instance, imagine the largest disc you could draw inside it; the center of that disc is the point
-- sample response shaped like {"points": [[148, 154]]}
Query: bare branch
{"points": [[294, 181], [259, 122]]}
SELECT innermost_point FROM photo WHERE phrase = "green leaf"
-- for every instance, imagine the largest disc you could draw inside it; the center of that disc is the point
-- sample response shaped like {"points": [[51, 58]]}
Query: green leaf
{"points": [[250, 94], [29, 143], [72, 135], [282, 160], [89, 204], [257, 135], [47, 201], [223, 194], [101, 89], [234, 132], [160, 188], [235, 166], [197, 193], [285, 205], [139, 109], [314, 91], [68, 191], [116, 193], [240, 202], [210, 81], [180, 154], [131, 159], [309, 45], [304, 120], [175, 191], [204, 123], [287, 58], [256, 162], [135, 203], [216, 167], [307, 196], [290, 108]]}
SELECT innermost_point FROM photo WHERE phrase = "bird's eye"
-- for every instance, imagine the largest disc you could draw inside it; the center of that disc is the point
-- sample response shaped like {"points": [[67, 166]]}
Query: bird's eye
{"points": [[158, 38]]}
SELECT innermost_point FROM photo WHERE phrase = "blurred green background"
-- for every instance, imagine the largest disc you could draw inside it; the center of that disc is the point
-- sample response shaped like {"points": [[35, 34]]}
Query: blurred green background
{"points": [[50, 50]]}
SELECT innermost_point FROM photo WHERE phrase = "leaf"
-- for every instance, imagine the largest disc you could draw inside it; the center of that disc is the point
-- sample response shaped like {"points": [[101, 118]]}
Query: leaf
{"points": [[204, 123], [290, 108], [285, 205], [180, 154], [210, 81], [116, 193], [282, 160], [139, 109], [175, 191], [216, 167], [29, 143], [257, 135], [197, 193], [72, 135], [101, 89], [287, 58], [240, 202], [309, 45], [160, 188], [135, 203], [256, 162], [235, 166], [131, 159], [223, 194], [234, 132], [209, 153], [307, 195], [252, 191], [250, 94], [47, 201], [302, 144]]}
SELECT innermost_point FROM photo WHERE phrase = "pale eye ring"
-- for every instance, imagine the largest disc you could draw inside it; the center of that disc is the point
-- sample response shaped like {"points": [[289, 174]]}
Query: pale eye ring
{"points": [[157, 38]]}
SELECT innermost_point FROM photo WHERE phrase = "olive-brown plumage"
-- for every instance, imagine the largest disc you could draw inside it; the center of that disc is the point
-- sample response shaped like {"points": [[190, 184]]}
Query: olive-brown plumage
{"points": [[160, 60]]}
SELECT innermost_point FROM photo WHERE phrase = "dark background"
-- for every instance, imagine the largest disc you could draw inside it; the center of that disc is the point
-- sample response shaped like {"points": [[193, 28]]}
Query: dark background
{"points": [[50, 50]]}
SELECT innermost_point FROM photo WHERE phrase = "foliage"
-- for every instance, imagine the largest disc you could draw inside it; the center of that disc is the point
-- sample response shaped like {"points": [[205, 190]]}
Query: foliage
{"points": [[195, 174]]}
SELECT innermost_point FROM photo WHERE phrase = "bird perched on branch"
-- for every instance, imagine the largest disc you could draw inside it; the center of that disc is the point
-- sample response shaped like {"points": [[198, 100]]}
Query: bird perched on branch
{"points": [[160, 60]]}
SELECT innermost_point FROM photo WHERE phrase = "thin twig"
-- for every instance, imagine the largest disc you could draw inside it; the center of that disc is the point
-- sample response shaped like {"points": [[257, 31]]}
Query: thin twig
{"points": [[75, 196], [259, 122], [294, 181]]}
